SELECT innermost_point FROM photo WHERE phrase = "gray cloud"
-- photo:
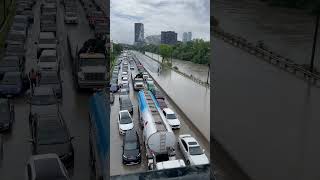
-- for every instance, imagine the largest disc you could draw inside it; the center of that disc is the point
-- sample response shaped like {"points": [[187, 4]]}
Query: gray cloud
{"points": [[159, 15]]}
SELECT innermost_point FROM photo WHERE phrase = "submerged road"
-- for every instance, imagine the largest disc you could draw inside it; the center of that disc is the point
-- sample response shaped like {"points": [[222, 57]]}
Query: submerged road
{"points": [[183, 91]]}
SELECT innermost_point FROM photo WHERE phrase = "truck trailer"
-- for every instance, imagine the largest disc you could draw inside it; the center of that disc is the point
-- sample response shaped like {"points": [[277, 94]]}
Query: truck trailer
{"points": [[159, 139]]}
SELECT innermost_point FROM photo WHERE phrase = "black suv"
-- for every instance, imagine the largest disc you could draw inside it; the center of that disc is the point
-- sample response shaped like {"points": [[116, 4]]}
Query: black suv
{"points": [[51, 135], [7, 114], [131, 153]]}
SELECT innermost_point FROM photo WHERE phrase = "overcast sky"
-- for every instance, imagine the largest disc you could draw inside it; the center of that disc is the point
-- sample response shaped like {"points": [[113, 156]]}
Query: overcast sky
{"points": [[159, 15]]}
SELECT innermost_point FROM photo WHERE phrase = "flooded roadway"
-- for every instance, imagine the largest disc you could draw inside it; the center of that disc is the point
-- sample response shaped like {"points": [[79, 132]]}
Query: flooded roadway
{"points": [[199, 71], [74, 108], [265, 118], [183, 91], [116, 166], [288, 32]]}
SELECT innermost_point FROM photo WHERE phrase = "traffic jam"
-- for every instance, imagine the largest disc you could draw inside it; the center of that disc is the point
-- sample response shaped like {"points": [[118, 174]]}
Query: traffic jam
{"points": [[33, 79], [152, 135]]}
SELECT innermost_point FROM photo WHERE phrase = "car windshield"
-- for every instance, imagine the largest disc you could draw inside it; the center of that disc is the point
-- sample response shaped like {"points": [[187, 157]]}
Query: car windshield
{"points": [[52, 135], [47, 41], [43, 100], [47, 59], [125, 118], [11, 79], [195, 150], [49, 80], [171, 116], [92, 62], [130, 145]]}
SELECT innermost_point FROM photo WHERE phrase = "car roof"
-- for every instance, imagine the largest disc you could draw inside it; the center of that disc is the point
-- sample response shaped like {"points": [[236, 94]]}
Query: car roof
{"points": [[46, 35], [190, 139], [47, 168], [10, 73], [168, 111], [49, 52], [131, 135], [43, 90]]}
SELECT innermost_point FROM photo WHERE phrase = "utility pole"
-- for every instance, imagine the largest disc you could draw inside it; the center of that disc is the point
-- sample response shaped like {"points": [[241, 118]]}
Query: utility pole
{"points": [[208, 73], [314, 43]]}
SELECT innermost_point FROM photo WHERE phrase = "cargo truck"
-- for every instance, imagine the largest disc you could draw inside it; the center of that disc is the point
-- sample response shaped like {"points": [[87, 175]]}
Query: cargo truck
{"points": [[90, 65]]}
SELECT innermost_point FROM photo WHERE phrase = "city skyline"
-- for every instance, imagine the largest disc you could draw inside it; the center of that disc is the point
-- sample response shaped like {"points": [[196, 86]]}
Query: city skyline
{"points": [[159, 15]]}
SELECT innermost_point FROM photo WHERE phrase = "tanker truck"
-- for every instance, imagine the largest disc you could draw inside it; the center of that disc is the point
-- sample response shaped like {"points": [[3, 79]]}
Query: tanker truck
{"points": [[158, 137]]}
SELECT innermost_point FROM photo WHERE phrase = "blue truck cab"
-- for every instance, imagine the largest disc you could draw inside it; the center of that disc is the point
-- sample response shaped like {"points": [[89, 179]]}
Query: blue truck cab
{"points": [[99, 115]]}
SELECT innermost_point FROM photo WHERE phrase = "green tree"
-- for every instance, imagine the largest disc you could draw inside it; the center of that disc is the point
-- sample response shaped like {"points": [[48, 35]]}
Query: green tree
{"points": [[165, 52]]}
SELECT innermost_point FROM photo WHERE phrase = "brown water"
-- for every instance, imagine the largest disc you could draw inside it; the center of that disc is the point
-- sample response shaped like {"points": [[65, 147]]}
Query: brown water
{"points": [[267, 119]]}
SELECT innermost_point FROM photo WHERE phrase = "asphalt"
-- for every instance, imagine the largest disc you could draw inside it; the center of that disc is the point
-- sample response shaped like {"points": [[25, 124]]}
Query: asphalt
{"points": [[74, 107]]}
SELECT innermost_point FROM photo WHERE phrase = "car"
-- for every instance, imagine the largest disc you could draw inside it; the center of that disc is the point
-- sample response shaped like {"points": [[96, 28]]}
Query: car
{"points": [[123, 92], [171, 118], [131, 67], [125, 121], [42, 100], [124, 78], [191, 150], [7, 114], [29, 14], [158, 94], [126, 104], [162, 104], [124, 73], [16, 50], [10, 64], [20, 27], [48, 60], [71, 18], [150, 84], [131, 152], [46, 40], [21, 19], [51, 135], [16, 37], [44, 167], [145, 76], [51, 79], [126, 87], [13, 84]]}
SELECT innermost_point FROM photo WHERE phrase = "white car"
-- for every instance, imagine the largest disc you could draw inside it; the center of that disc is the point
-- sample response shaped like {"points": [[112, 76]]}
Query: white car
{"points": [[125, 122], [171, 118], [191, 150], [71, 18], [124, 78], [124, 73], [145, 75]]}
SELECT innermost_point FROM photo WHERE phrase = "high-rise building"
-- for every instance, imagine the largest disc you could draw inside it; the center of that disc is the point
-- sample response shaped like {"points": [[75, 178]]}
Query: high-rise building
{"points": [[185, 37], [138, 33], [153, 39], [189, 36], [169, 37]]}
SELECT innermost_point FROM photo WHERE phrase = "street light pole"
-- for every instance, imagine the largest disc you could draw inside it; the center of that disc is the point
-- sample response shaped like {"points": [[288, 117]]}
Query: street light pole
{"points": [[208, 73], [314, 44]]}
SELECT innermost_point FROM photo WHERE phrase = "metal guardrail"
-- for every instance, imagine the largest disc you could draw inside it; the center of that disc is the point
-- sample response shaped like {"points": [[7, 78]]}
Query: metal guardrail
{"points": [[284, 63]]}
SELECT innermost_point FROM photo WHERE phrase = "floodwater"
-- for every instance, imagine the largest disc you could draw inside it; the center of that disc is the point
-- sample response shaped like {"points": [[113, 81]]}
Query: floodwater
{"points": [[265, 118], [183, 91], [199, 71], [288, 32]]}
